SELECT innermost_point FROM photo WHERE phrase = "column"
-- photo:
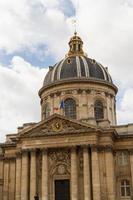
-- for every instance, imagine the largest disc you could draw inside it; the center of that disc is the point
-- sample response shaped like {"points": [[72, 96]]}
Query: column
{"points": [[110, 176], [1, 176], [12, 178], [24, 176], [86, 173], [95, 174], [44, 175], [74, 175], [6, 179], [18, 176], [131, 164], [32, 174]]}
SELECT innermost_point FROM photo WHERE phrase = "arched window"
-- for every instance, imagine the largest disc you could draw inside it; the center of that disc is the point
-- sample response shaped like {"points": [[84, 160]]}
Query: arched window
{"points": [[125, 188], [123, 158], [98, 110], [70, 108], [46, 111]]}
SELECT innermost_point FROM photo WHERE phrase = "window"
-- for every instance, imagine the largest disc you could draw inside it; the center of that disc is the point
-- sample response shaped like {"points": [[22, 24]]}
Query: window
{"points": [[70, 108], [46, 111], [98, 110], [125, 188], [123, 158]]}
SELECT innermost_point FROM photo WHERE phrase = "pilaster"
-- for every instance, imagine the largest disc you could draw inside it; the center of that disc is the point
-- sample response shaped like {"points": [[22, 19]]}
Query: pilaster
{"points": [[74, 175], [44, 174]]}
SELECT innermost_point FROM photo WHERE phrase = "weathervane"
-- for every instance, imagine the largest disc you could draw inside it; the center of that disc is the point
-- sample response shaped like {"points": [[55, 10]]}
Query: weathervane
{"points": [[75, 26], [74, 21]]}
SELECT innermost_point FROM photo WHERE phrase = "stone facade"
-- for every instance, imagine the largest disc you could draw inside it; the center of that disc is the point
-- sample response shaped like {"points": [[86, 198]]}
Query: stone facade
{"points": [[94, 156]]}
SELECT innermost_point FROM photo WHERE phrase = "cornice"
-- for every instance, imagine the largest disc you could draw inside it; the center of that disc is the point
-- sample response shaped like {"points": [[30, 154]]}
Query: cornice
{"points": [[75, 80]]}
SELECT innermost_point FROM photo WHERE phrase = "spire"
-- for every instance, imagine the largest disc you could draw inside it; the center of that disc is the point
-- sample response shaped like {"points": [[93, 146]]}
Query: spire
{"points": [[76, 45]]}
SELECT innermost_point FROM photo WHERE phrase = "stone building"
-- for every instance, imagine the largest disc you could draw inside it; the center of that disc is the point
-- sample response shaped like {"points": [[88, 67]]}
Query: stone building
{"points": [[77, 151]]}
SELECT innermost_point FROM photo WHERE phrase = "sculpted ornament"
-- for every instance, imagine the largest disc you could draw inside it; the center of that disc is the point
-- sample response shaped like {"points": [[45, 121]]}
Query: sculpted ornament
{"points": [[59, 162], [57, 126]]}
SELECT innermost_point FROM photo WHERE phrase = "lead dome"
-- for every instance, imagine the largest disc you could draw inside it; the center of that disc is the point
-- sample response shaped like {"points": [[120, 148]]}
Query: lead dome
{"points": [[76, 65]]}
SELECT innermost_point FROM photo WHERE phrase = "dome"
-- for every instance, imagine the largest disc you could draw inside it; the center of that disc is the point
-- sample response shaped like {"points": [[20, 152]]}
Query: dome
{"points": [[79, 67], [76, 65]]}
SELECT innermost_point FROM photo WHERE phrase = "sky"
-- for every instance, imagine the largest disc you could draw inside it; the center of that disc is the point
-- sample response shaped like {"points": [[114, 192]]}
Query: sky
{"points": [[34, 34]]}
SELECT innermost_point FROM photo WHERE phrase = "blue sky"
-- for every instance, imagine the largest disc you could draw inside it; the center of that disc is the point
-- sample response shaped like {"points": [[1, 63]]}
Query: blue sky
{"points": [[34, 34]]}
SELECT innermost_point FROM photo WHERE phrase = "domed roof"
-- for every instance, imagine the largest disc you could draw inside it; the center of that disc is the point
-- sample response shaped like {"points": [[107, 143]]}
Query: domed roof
{"points": [[76, 65]]}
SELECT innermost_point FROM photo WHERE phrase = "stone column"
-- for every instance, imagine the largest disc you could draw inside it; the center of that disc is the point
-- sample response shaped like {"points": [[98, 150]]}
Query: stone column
{"points": [[110, 176], [12, 178], [44, 175], [6, 179], [18, 176], [24, 176], [86, 173], [95, 174], [131, 164], [74, 175], [1, 175], [32, 174]]}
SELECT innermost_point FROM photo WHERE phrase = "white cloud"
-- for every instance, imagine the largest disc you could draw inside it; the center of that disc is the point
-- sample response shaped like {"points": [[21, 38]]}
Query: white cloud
{"points": [[27, 24], [18, 95], [125, 111]]}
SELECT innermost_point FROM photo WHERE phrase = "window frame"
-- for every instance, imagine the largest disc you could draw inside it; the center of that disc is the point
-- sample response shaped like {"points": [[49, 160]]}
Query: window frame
{"points": [[126, 187], [70, 111], [98, 110], [123, 158]]}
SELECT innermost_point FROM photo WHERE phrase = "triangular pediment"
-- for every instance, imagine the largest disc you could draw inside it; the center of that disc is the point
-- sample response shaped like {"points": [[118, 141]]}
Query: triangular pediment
{"points": [[56, 124]]}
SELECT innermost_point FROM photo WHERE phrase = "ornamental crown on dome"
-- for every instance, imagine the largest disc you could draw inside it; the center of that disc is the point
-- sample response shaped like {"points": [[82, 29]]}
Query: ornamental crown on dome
{"points": [[76, 46]]}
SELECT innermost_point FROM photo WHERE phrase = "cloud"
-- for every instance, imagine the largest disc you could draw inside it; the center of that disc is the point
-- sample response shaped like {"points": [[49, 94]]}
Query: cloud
{"points": [[27, 24], [125, 111], [106, 29], [19, 101]]}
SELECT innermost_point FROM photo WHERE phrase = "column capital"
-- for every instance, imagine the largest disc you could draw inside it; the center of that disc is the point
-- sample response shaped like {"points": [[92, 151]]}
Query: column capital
{"points": [[130, 151], [6, 159], [44, 150], [33, 150], [25, 151], [85, 146], [73, 148], [1, 156], [18, 154], [94, 148]]}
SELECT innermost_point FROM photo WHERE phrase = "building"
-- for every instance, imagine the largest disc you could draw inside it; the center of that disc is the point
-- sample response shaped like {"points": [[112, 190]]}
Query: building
{"points": [[77, 151]]}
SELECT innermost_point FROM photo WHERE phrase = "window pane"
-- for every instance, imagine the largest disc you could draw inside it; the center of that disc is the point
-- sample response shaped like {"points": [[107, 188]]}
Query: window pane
{"points": [[127, 191], [70, 108], [125, 188], [98, 109], [122, 191], [123, 158]]}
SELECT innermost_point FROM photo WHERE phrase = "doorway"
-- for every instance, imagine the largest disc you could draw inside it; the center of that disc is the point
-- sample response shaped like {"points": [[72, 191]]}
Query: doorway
{"points": [[62, 189]]}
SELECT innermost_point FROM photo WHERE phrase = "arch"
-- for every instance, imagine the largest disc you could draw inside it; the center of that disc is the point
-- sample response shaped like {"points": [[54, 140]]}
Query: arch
{"points": [[70, 108], [98, 110], [46, 110], [125, 189]]}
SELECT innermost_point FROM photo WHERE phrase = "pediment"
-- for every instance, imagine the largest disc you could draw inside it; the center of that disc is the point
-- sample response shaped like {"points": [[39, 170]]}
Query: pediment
{"points": [[56, 124]]}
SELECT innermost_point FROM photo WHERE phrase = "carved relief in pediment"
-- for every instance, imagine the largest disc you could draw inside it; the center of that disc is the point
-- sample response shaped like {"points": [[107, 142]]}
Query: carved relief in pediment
{"points": [[56, 126]]}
